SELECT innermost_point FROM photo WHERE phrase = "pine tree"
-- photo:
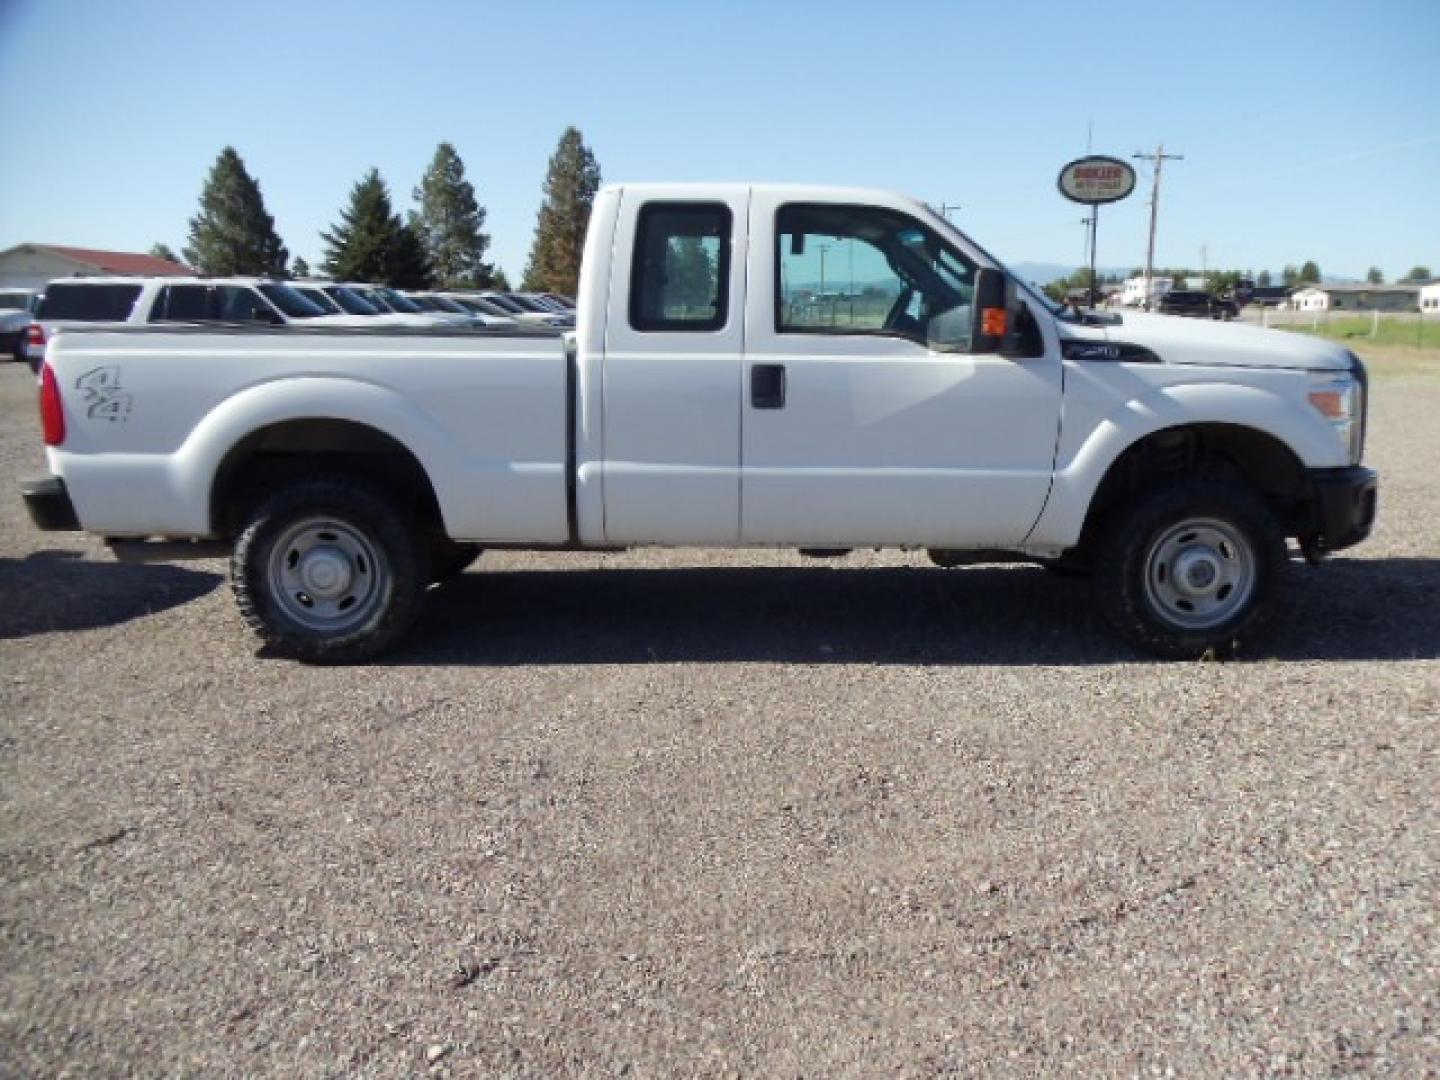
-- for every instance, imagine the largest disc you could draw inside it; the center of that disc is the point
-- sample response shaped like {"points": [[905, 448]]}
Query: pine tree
{"points": [[1309, 273], [1263, 281], [371, 243], [690, 274], [450, 223], [164, 251], [570, 187], [299, 268], [1417, 273], [233, 234], [1374, 276]]}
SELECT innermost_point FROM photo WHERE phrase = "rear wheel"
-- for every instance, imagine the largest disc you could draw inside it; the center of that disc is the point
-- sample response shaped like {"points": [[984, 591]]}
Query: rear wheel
{"points": [[1192, 570], [328, 570]]}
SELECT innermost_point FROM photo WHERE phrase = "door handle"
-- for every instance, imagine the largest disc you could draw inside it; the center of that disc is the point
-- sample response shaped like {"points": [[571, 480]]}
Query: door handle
{"points": [[767, 386]]}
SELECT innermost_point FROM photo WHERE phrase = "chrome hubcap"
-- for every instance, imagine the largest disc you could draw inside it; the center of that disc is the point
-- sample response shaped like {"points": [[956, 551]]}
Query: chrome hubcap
{"points": [[326, 575], [1199, 573]]}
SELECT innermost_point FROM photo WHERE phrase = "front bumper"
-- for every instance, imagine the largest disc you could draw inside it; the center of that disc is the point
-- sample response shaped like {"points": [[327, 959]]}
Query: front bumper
{"points": [[49, 504], [1344, 507]]}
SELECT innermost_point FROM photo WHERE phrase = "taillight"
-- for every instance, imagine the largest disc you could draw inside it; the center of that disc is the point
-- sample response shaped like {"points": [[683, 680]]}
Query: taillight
{"points": [[52, 412], [35, 335]]}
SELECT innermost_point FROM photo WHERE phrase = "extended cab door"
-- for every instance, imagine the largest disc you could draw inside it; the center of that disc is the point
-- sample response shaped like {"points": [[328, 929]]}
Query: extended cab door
{"points": [[674, 338], [867, 420]]}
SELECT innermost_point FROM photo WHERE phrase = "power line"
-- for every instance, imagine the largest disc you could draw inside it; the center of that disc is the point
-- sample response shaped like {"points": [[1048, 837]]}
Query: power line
{"points": [[1158, 159]]}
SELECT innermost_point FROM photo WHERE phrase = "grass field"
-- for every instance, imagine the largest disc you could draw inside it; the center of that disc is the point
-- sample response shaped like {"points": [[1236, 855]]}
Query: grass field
{"points": [[1352, 329]]}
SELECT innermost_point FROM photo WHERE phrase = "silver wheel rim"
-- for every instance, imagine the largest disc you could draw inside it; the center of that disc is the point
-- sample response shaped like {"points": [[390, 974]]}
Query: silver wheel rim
{"points": [[327, 575], [1199, 573]]}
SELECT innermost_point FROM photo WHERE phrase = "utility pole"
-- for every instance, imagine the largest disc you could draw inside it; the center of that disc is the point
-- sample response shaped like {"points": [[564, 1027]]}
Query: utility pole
{"points": [[1158, 159]]}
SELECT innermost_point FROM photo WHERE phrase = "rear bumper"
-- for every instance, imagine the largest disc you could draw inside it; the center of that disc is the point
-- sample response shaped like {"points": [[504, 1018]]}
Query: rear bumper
{"points": [[1344, 508], [49, 504]]}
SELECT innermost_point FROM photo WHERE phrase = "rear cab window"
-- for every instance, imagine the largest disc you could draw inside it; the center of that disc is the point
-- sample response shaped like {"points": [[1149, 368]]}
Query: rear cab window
{"points": [[680, 278], [88, 303]]}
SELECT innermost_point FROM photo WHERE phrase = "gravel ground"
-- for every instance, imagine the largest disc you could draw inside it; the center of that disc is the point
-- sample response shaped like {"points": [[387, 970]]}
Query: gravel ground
{"points": [[770, 818]]}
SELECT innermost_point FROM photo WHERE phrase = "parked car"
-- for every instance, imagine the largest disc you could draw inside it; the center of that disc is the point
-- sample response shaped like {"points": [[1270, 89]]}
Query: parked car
{"points": [[456, 304], [963, 413], [524, 312], [1196, 304], [349, 300], [17, 306], [391, 300], [76, 302]]}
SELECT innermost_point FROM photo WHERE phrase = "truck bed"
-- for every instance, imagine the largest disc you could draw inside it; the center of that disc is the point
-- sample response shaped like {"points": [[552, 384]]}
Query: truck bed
{"points": [[151, 414]]}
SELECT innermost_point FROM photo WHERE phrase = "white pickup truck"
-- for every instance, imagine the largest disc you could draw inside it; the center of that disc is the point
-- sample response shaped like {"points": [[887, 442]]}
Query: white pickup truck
{"points": [[754, 365]]}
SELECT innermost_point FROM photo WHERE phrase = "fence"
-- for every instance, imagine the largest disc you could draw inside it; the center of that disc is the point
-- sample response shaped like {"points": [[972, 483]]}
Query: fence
{"points": [[1416, 328]]}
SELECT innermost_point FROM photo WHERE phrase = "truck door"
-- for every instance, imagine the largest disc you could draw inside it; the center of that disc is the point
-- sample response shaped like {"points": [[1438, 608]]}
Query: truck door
{"points": [[866, 420], [674, 338]]}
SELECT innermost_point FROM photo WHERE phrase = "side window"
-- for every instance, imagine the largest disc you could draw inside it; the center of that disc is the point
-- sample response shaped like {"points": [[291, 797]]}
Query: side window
{"points": [[182, 303], [680, 280], [869, 270], [240, 304]]}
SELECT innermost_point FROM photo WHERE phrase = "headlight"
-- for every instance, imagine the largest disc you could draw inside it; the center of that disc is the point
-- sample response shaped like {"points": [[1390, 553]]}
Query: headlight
{"points": [[1340, 399]]}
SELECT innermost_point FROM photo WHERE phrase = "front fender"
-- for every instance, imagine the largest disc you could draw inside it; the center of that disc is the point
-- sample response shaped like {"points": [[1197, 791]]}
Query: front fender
{"points": [[1090, 444]]}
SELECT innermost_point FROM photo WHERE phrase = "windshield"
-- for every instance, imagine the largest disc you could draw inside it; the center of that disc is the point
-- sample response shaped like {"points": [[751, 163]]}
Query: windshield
{"points": [[397, 302], [524, 303], [444, 303], [319, 299], [351, 301], [291, 302], [427, 303], [506, 305], [373, 297]]}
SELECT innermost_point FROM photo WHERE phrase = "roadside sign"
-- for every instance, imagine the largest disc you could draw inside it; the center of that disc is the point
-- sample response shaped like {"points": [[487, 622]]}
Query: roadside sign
{"points": [[1096, 179]]}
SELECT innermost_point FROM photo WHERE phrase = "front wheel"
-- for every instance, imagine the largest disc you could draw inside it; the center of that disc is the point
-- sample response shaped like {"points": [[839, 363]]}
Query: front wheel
{"points": [[327, 570], [1192, 570]]}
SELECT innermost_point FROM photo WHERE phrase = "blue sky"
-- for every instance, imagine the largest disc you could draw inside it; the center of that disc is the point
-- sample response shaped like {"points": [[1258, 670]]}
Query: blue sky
{"points": [[1310, 130]]}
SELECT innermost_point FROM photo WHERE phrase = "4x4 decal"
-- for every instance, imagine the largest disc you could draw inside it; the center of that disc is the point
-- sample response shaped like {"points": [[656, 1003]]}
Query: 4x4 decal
{"points": [[104, 397]]}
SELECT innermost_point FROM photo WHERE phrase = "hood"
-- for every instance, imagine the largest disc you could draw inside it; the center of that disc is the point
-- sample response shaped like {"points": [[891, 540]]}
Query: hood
{"points": [[1209, 343]]}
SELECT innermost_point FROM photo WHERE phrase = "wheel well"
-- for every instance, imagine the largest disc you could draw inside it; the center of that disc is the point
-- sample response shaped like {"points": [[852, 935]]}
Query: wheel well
{"points": [[1227, 451], [267, 458]]}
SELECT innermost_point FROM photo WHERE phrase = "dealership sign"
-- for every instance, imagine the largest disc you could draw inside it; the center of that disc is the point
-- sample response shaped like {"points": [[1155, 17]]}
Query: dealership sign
{"points": [[1095, 180]]}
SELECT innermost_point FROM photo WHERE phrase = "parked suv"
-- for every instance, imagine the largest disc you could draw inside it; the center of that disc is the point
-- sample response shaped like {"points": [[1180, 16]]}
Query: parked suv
{"points": [[1200, 305], [16, 306], [87, 301]]}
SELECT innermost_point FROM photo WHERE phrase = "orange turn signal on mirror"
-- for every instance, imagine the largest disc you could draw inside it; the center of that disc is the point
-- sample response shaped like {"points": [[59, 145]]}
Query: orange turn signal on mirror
{"points": [[993, 321]]}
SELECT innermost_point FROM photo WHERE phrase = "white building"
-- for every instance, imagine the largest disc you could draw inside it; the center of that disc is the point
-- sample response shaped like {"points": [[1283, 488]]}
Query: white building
{"points": [[1430, 298], [1132, 293], [31, 266], [1356, 298]]}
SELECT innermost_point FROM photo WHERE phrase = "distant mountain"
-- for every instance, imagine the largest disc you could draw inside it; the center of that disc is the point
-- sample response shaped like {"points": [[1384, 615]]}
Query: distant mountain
{"points": [[1044, 273]]}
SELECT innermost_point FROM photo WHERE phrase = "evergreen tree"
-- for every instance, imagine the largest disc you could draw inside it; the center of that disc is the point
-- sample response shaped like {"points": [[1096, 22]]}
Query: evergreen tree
{"points": [[1374, 276], [233, 234], [1289, 276], [1417, 273], [1310, 273], [164, 251], [371, 243], [1263, 281], [570, 187], [690, 273], [299, 268], [450, 222]]}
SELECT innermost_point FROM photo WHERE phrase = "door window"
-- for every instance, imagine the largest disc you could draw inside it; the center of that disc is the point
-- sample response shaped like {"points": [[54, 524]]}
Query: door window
{"points": [[681, 277], [240, 304], [870, 270], [182, 303]]}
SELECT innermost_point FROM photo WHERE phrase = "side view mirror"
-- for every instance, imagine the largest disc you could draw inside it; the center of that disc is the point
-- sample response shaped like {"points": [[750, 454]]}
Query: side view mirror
{"points": [[996, 313]]}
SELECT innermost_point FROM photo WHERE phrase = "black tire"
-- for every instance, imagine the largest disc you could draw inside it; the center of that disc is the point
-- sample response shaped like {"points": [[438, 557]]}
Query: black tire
{"points": [[450, 558], [344, 541], [1184, 546]]}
